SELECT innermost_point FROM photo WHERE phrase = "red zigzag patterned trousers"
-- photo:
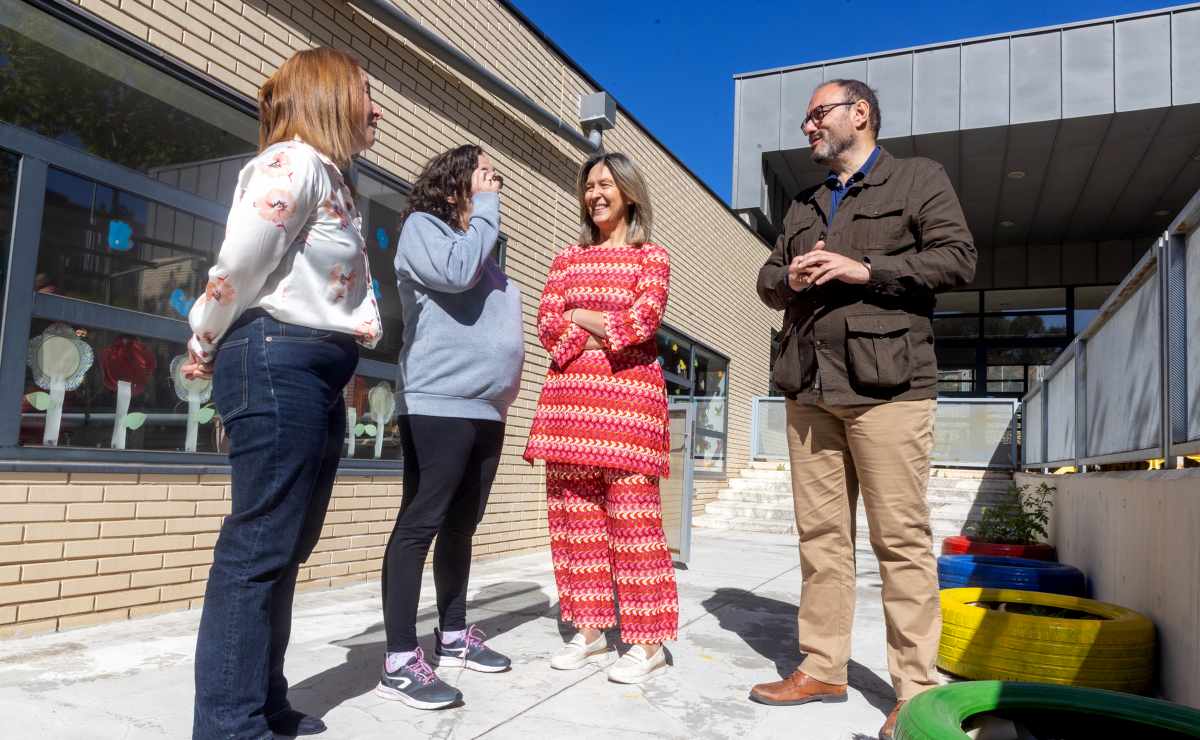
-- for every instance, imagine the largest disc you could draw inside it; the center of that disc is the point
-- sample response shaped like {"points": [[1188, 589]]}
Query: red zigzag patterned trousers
{"points": [[606, 523]]}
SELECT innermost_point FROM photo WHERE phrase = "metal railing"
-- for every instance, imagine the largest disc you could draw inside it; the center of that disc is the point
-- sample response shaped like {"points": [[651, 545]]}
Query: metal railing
{"points": [[968, 432], [1128, 386]]}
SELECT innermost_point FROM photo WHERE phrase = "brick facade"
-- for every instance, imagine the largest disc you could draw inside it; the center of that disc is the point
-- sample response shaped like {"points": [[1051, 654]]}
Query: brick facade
{"points": [[79, 549]]}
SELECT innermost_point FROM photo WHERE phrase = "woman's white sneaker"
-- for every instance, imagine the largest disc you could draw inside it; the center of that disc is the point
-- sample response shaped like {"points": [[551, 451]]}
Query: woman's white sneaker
{"points": [[635, 666], [579, 652]]}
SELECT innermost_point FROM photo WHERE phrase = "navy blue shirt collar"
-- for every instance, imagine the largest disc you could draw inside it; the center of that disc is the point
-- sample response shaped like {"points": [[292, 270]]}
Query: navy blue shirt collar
{"points": [[838, 190], [833, 183]]}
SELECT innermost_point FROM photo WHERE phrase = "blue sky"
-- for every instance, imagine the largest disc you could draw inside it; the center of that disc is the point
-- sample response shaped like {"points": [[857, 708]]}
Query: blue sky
{"points": [[671, 63]]}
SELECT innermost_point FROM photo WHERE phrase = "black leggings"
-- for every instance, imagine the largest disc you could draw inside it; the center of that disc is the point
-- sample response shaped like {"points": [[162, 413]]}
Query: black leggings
{"points": [[449, 466]]}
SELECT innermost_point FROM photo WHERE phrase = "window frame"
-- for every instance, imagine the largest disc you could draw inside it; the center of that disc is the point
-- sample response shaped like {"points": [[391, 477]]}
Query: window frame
{"points": [[37, 155], [690, 383]]}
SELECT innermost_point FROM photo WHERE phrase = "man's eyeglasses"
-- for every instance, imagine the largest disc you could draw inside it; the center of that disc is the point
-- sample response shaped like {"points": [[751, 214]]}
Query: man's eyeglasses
{"points": [[816, 115]]}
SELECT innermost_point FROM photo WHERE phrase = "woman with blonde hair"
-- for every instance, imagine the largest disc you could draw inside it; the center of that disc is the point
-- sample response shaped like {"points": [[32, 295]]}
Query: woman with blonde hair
{"points": [[601, 426], [287, 304]]}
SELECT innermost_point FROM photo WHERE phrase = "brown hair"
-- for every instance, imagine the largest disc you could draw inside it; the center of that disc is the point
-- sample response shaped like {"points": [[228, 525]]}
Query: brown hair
{"points": [[447, 175], [318, 95], [629, 181]]}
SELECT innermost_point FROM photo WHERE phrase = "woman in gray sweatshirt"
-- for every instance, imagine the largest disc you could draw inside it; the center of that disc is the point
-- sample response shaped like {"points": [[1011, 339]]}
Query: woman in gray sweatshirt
{"points": [[460, 369]]}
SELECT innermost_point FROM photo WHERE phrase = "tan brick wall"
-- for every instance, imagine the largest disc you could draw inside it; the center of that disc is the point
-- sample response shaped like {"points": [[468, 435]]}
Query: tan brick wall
{"points": [[84, 549]]}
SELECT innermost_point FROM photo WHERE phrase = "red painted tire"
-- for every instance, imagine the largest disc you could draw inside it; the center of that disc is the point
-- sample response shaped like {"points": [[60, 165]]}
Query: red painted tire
{"points": [[959, 545]]}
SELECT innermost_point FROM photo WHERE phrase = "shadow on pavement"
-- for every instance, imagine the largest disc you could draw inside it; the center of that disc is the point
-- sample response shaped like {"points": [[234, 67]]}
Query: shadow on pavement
{"points": [[768, 626], [507, 605]]}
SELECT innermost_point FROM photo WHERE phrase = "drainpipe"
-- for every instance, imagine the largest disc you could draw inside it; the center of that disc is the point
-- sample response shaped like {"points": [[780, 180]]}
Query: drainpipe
{"points": [[391, 16]]}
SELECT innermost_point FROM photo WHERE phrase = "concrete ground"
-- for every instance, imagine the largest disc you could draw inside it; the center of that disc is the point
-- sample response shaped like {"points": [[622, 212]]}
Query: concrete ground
{"points": [[737, 628]]}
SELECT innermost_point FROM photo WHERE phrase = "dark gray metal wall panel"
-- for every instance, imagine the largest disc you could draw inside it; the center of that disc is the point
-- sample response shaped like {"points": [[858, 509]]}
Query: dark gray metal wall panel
{"points": [[1087, 68], [1114, 259], [1029, 148], [891, 77], [1008, 267], [1124, 149], [1185, 57], [1143, 62], [936, 77], [983, 153], [1076, 147], [1036, 74], [856, 70], [758, 131], [1079, 261], [985, 94], [795, 89], [942, 148], [1043, 264], [1171, 149]]}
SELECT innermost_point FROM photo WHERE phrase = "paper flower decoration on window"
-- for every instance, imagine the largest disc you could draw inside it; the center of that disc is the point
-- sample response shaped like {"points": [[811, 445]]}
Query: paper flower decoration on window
{"points": [[195, 391], [120, 236], [126, 367], [381, 403], [381, 238], [59, 360], [181, 303]]}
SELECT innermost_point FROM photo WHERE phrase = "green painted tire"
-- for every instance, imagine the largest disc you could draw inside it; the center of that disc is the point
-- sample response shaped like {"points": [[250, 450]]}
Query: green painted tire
{"points": [[938, 714]]}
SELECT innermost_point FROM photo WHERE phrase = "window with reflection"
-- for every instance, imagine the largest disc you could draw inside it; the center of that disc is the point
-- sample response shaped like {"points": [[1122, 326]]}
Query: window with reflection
{"points": [[66, 85], [371, 421], [97, 388], [104, 245], [956, 380], [103, 386], [1088, 302], [698, 376], [381, 206], [9, 167]]}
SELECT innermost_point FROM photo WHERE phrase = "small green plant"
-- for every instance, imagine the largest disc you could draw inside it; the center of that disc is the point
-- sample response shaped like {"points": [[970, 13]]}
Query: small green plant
{"points": [[1019, 520], [780, 467]]}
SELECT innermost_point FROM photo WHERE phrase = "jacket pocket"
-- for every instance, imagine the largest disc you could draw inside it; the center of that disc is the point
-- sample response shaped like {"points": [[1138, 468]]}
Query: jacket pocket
{"points": [[794, 367], [802, 234], [881, 226], [879, 350]]}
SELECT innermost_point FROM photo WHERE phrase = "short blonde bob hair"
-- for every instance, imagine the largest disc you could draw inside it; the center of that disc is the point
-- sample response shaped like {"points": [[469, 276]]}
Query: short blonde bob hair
{"points": [[629, 181], [317, 94]]}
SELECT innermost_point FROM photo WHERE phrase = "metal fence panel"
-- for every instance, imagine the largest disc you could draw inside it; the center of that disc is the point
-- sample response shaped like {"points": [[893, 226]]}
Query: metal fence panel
{"points": [[770, 429], [1124, 384], [1031, 429], [1193, 334], [968, 432], [975, 432], [1060, 439]]}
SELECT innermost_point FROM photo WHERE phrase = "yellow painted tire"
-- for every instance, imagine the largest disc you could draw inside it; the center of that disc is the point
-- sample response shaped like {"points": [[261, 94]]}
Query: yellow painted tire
{"points": [[1114, 650]]}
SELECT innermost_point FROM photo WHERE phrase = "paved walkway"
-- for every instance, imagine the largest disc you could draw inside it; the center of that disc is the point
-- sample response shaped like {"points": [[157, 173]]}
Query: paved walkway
{"points": [[737, 627]]}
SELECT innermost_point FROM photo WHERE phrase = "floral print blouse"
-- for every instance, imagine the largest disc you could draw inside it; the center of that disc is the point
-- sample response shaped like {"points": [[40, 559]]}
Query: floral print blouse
{"points": [[293, 246]]}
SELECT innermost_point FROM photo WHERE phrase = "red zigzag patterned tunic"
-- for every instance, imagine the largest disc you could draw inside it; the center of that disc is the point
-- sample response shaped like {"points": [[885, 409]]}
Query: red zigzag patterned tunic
{"points": [[604, 408], [601, 427]]}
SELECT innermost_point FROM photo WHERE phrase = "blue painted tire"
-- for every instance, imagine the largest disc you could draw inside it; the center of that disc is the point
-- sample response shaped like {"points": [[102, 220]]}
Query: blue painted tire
{"points": [[1022, 574]]}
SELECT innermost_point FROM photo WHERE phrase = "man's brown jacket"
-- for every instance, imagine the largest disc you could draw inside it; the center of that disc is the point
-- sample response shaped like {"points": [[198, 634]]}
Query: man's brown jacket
{"points": [[863, 344]]}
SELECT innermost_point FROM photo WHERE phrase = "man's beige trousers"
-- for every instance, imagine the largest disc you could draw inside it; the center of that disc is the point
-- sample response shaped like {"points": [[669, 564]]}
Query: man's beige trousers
{"points": [[882, 451]]}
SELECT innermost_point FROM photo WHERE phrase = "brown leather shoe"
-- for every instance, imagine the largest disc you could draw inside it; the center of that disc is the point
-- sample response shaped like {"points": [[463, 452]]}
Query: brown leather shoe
{"points": [[798, 688], [889, 725]]}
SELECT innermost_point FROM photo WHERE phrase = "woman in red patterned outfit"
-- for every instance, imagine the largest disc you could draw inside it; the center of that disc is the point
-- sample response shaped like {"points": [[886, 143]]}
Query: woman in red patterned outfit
{"points": [[601, 425]]}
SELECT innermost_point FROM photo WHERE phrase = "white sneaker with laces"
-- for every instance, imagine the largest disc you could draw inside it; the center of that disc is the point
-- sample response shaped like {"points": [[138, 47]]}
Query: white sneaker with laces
{"points": [[579, 652], [635, 666]]}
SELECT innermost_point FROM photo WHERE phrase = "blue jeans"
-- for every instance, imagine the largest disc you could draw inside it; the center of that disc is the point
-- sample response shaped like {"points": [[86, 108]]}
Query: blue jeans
{"points": [[278, 389]]}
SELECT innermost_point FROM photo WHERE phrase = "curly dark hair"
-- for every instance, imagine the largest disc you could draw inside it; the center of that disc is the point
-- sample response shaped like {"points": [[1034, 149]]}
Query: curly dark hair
{"points": [[448, 175]]}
